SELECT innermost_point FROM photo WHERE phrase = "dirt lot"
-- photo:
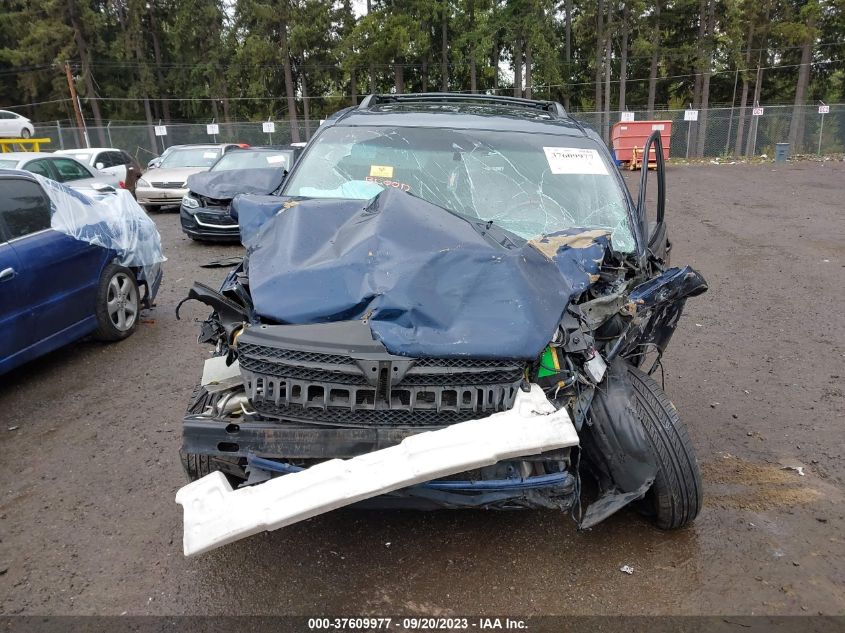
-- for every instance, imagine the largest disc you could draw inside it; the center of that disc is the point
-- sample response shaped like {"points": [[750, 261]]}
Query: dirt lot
{"points": [[87, 479]]}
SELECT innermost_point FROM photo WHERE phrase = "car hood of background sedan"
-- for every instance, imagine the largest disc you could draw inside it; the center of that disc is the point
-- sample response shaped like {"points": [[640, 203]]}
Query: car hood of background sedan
{"points": [[225, 185]]}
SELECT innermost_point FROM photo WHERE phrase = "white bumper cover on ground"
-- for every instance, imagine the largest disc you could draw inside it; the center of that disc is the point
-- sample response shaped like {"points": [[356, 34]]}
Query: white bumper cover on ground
{"points": [[216, 515]]}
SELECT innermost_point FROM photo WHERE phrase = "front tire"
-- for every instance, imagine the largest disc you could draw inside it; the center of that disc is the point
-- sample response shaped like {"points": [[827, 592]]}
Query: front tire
{"points": [[675, 498], [118, 304], [25, 133]]}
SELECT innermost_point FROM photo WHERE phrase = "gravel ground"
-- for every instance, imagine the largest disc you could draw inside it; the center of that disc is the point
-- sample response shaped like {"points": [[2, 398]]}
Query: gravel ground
{"points": [[88, 524]]}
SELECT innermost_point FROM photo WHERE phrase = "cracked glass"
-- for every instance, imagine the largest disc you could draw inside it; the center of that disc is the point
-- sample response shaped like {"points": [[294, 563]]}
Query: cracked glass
{"points": [[530, 184]]}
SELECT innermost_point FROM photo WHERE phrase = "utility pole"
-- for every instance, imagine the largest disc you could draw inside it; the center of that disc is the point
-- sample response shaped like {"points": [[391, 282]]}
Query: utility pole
{"points": [[76, 106]]}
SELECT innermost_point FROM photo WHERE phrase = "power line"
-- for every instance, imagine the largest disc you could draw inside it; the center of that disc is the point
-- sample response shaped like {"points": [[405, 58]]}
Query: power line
{"points": [[536, 87]]}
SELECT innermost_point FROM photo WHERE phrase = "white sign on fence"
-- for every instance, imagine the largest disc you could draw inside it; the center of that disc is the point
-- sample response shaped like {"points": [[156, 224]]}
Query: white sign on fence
{"points": [[268, 127], [824, 109], [690, 115], [757, 111], [161, 130], [212, 129], [627, 117]]}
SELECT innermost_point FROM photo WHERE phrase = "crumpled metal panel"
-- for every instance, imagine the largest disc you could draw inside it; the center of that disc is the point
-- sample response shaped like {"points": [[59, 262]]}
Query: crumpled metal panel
{"points": [[215, 515], [429, 282], [225, 185]]}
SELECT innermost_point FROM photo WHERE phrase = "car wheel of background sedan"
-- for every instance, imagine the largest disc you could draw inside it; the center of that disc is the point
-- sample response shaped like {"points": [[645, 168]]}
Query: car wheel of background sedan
{"points": [[675, 498], [118, 304], [25, 133]]}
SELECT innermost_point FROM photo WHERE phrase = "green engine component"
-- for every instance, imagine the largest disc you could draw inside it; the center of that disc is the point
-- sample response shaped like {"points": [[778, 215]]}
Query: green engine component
{"points": [[549, 364]]}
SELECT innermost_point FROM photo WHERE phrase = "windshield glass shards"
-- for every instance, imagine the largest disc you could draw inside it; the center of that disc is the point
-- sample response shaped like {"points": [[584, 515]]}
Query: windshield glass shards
{"points": [[529, 184]]}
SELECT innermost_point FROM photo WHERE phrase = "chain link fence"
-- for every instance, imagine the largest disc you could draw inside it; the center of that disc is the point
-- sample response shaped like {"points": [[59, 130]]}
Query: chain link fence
{"points": [[719, 132], [722, 132]]}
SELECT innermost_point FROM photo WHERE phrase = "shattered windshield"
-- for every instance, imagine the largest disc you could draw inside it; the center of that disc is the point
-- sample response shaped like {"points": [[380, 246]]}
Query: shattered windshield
{"points": [[530, 184]]}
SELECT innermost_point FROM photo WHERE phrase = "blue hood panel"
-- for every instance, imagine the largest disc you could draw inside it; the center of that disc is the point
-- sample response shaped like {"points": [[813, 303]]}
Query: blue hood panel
{"points": [[429, 283]]}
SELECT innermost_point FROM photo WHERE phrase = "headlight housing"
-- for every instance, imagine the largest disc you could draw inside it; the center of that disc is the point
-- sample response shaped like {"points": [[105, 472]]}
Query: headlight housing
{"points": [[190, 203], [142, 183]]}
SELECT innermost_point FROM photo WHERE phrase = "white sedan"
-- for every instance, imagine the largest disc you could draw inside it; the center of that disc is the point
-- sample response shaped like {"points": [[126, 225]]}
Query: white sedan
{"points": [[109, 160], [13, 125], [62, 169]]}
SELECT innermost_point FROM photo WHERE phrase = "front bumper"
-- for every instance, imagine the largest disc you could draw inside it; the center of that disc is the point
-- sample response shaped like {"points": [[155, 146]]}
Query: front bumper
{"points": [[215, 514], [153, 196], [205, 224]]}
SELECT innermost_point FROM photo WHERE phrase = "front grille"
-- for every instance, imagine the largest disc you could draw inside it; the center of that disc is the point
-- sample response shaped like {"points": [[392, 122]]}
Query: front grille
{"points": [[368, 417], [217, 219], [374, 389], [274, 353], [169, 185]]}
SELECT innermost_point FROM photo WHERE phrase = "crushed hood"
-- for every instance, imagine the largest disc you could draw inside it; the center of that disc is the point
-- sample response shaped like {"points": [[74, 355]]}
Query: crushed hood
{"points": [[428, 282], [225, 185]]}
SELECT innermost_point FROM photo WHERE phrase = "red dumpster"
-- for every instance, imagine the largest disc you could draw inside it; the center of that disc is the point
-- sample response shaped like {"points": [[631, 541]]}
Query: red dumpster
{"points": [[629, 135]]}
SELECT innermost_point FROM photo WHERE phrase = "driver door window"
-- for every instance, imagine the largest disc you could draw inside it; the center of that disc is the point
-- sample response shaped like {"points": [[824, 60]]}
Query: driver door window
{"points": [[24, 207], [40, 167], [69, 170]]}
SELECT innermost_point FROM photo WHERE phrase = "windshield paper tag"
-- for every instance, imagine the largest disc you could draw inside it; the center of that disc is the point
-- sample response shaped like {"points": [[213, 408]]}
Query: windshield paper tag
{"points": [[275, 160], [574, 160], [381, 171], [210, 155]]}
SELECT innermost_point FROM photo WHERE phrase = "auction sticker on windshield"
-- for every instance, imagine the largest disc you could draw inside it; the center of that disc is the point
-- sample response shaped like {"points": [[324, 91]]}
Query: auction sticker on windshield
{"points": [[574, 160], [381, 171]]}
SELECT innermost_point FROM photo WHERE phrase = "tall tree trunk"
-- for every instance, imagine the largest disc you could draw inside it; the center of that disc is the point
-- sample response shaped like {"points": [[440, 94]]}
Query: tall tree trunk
{"points": [[796, 125], [143, 73], [290, 91], [705, 80], [444, 46], [528, 72], [372, 63], [473, 78], [165, 104], [424, 77], [655, 59], [82, 47], [306, 106], [740, 129], [353, 86], [623, 58], [568, 53], [699, 72], [399, 76], [599, 59], [751, 144], [517, 66], [495, 56], [607, 68]]}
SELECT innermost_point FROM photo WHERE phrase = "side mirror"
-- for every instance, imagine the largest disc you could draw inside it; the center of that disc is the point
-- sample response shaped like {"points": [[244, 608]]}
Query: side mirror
{"points": [[654, 233], [153, 163], [100, 165]]}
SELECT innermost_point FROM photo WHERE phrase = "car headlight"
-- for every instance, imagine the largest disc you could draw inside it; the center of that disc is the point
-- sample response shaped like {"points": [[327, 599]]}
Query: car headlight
{"points": [[142, 183], [190, 203]]}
